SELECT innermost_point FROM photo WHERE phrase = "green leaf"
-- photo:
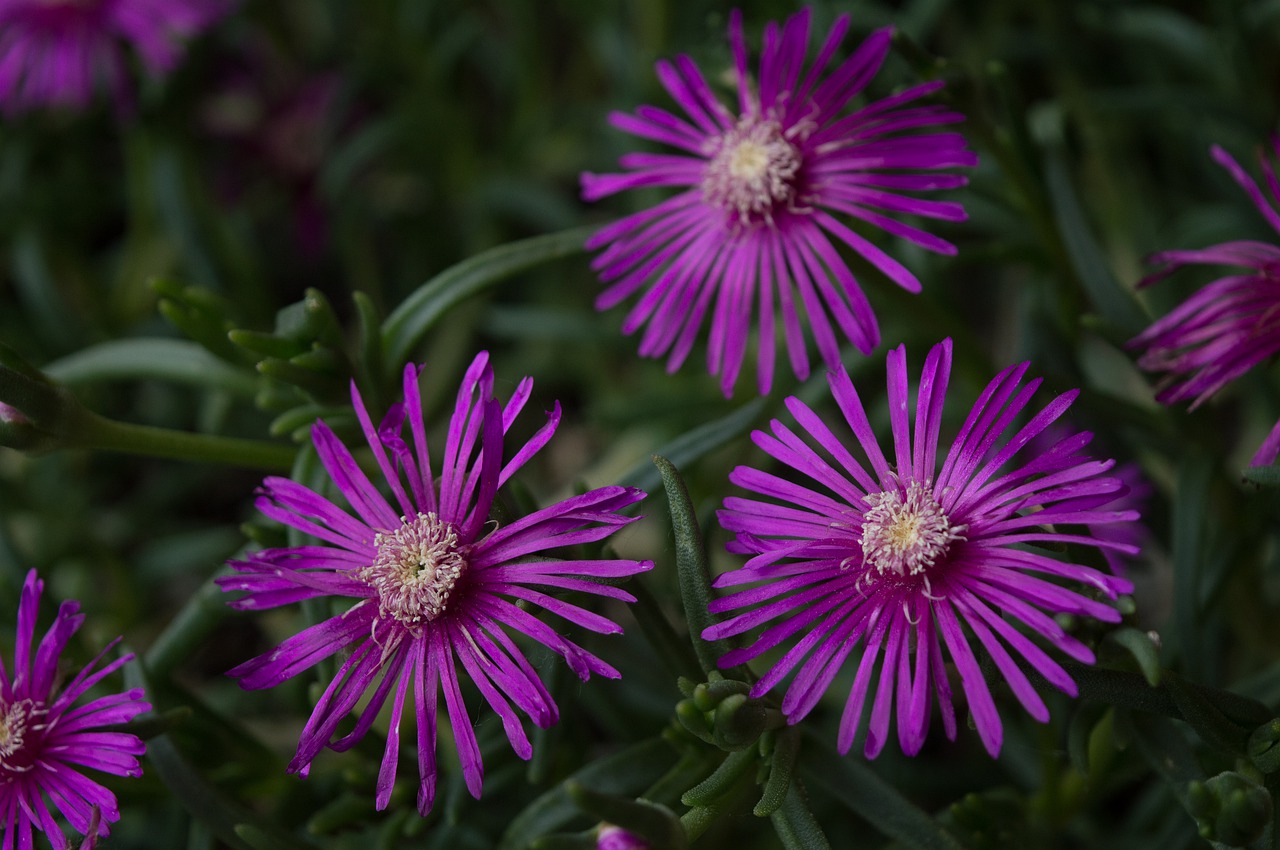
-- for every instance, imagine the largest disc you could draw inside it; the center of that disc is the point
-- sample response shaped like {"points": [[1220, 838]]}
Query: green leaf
{"points": [[652, 822], [627, 771], [695, 444], [1112, 299], [863, 791], [225, 818], [1143, 650], [1190, 512], [691, 565], [1213, 727], [782, 764], [795, 823], [180, 361], [674, 653], [416, 315], [1266, 476], [722, 779]]}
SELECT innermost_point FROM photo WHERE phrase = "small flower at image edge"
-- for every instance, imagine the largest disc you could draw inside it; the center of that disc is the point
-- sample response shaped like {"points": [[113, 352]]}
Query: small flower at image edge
{"points": [[54, 52], [763, 190], [908, 563], [610, 837], [1231, 324], [434, 582], [46, 739]]}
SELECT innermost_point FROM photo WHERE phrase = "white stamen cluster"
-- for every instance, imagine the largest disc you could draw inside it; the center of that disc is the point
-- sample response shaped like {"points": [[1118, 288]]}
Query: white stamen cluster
{"points": [[15, 722], [906, 534], [752, 170], [415, 570]]}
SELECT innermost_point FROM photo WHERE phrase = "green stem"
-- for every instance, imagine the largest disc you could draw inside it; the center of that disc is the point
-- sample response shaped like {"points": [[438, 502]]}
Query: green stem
{"points": [[92, 431]]}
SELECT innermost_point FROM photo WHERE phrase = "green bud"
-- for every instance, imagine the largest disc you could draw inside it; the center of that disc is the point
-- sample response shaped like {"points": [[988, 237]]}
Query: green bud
{"points": [[739, 721], [1230, 808], [1262, 748]]}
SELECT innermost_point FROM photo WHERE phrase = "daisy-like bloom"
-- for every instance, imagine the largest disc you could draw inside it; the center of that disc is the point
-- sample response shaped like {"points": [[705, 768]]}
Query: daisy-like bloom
{"points": [[764, 192], [56, 52], [433, 582], [46, 740], [1228, 326], [901, 564]]}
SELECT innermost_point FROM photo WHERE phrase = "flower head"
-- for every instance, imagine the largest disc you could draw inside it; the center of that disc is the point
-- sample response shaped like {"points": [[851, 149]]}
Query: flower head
{"points": [[433, 581], [1228, 326], [906, 561], [46, 739], [610, 837], [763, 191], [55, 52]]}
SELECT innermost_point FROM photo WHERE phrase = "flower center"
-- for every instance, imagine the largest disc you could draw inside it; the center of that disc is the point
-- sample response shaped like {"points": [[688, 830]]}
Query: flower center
{"points": [[752, 171], [415, 570], [16, 724], [906, 534]]}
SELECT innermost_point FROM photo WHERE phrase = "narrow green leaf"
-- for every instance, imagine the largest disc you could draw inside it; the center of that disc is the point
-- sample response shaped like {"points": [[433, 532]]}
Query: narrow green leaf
{"points": [[652, 822], [691, 565], [180, 361], [782, 764], [409, 323], [628, 771], [1213, 727], [795, 823], [721, 780], [695, 444], [857, 786], [1265, 476], [1143, 650], [1110, 297], [369, 355], [1190, 512], [674, 653], [225, 818]]}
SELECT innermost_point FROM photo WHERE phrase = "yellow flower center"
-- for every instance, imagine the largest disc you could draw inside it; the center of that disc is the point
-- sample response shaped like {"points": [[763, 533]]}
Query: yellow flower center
{"points": [[752, 171], [906, 533]]}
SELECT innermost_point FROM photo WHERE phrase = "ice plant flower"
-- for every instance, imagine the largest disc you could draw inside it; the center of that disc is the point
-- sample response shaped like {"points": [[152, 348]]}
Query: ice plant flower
{"points": [[1229, 325], [433, 581], [899, 563], [46, 739], [763, 190], [56, 52]]}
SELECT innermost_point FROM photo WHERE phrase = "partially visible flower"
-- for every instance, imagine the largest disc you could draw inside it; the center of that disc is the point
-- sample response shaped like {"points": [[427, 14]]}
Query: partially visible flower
{"points": [[763, 191], [56, 52], [907, 562], [1228, 326], [611, 837], [433, 580], [46, 739]]}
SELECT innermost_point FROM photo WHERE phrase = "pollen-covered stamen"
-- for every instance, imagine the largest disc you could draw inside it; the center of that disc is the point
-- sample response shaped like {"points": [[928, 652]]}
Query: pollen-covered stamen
{"points": [[415, 570], [753, 170], [17, 723], [905, 534]]}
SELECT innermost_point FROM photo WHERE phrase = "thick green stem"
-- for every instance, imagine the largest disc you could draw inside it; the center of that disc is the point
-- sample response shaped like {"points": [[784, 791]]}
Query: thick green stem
{"points": [[92, 431]]}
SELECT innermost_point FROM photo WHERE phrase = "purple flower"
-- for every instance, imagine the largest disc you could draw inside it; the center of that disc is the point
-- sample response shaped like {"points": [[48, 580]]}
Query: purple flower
{"points": [[1228, 326], [46, 740], [753, 224], [55, 52], [434, 581], [908, 562], [610, 837]]}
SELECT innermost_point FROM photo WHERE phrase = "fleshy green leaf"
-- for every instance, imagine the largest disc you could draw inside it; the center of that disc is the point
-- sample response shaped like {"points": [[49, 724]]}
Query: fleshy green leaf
{"points": [[409, 323], [174, 360], [795, 823], [861, 789]]}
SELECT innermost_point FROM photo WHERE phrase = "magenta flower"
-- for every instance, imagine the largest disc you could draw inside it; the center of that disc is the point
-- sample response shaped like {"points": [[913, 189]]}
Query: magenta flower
{"points": [[752, 225], [433, 580], [46, 740], [1228, 326], [56, 52], [907, 562]]}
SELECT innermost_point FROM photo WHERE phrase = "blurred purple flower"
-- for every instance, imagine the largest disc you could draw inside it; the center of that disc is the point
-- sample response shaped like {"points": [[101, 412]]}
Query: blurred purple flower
{"points": [[434, 580], [45, 739], [1228, 326], [905, 558], [611, 837], [753, 223], [55, 52]]}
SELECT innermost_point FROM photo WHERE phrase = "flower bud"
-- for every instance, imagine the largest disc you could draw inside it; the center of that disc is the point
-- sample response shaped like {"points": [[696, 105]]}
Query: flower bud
{"points": [[611, 837], [1230, 808]]}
